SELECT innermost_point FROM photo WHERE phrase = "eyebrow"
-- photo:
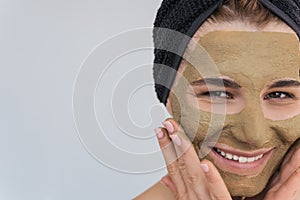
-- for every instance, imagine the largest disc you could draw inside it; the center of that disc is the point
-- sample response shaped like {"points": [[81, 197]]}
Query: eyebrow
{"points": [[220, 82], [284, 83]]}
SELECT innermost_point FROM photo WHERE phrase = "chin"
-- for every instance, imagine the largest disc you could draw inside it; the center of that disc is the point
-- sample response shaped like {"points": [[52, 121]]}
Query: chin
{"points": [[246, 187], [243, 185], [245, 173]]}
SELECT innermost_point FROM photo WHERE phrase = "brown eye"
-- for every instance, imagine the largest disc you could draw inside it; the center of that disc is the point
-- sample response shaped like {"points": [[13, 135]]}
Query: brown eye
{"points": [[278, 95], [217, 95]]}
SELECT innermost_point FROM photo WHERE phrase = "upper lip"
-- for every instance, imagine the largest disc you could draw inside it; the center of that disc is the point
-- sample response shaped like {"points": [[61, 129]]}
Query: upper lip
{"points": [[238, 152]]}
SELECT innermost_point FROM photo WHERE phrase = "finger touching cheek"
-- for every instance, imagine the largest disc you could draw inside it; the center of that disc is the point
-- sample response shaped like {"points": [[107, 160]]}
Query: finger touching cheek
{"points": [[216, 185], [166, 145], [289, 189]]}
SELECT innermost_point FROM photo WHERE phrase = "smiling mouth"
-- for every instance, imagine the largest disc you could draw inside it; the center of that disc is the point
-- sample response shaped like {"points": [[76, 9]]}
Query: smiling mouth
{"points": [[240, 159], [240, 162]]}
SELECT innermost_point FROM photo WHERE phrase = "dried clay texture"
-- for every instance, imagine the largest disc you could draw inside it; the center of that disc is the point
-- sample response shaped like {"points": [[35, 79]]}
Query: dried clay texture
{"points": [[252, 59]]}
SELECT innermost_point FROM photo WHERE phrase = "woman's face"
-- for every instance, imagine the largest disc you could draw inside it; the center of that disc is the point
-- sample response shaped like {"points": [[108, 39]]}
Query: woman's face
{"points": [[257, 89]]}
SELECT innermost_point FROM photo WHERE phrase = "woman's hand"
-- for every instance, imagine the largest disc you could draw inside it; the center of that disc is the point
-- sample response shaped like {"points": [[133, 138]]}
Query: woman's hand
{"points": [[191, 179], [286, 183], [188, 178]]}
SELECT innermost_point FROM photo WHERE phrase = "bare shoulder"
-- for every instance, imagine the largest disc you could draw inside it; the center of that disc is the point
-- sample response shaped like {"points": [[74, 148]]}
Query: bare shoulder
{"points": [[158, 192]]}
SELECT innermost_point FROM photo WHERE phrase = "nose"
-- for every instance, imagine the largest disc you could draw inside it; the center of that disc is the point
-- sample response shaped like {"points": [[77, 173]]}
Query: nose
{"points": [[253, 128]]}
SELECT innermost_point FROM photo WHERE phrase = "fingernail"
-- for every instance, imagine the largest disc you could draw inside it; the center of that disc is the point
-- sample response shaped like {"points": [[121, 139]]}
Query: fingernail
{"points": [[159, 133], [176, 139], [169, 126], [204, 167]]}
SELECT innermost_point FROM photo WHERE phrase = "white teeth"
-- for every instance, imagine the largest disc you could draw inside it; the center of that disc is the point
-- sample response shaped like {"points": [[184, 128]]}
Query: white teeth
{"points": [[223, 153], [229, 156], [235, 157], [240, 159], [259, 157], [250, 159]]}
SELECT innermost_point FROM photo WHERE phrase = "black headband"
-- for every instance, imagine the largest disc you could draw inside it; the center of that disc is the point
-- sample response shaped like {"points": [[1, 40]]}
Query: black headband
{"points": [[186, 16]]}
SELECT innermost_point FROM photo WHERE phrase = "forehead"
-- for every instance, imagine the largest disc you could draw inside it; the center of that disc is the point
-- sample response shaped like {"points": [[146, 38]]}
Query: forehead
{"points": [[254, 55]]}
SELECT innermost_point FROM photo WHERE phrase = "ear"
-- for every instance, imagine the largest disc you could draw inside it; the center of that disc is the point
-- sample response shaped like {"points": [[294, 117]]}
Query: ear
{"points": [[169, 107]]}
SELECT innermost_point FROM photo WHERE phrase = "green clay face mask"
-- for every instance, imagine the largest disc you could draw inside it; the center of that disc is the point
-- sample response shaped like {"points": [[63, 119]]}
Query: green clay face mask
{"points": [[257, 90]]}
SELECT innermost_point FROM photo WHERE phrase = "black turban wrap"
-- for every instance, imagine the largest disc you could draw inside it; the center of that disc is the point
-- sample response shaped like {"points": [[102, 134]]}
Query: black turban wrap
{"points": [[185, 17]]}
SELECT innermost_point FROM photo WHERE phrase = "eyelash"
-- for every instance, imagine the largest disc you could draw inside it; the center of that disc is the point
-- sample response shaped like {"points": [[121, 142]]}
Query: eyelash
{"points": [[216, 94], [278, 93], [220, 95]]}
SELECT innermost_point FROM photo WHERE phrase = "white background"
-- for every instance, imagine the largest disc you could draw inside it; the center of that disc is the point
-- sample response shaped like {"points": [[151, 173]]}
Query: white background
{"points": [[43, 44]]}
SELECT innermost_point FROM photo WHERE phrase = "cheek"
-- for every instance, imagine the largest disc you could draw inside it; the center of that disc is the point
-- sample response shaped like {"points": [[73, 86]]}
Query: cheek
{"points": [[196, 126], [288, 130], [281, 112], [199, 126], [194, 122]]}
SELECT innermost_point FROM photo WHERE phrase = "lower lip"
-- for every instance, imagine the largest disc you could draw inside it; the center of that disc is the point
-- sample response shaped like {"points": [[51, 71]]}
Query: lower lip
{"points": [[243, 169]]}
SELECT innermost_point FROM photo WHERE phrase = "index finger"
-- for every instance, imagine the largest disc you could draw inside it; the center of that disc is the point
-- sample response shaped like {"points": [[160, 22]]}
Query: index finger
{"points": [[188, 161], [216, 186]]}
